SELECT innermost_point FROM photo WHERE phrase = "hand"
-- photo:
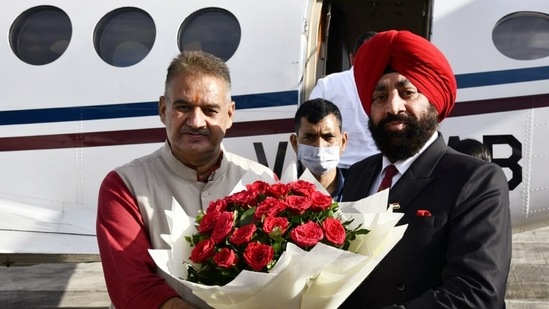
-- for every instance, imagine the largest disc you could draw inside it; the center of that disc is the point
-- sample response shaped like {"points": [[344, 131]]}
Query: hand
{"points": [[176, 303]]}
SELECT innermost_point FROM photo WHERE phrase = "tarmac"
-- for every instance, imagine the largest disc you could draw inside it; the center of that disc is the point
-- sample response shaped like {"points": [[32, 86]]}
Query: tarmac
{"points": [[81, 285]]}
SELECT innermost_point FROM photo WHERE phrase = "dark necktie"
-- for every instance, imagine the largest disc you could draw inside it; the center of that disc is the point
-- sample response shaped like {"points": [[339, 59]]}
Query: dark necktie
{"points": [[387, 181]]}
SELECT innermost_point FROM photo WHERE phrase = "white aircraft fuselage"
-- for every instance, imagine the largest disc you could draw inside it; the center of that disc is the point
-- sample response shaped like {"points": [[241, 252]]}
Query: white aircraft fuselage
{"points": [[81, 81]]}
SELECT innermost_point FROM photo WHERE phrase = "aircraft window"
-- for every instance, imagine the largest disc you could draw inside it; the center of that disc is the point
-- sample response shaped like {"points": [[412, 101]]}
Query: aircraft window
{"points": [[124, 36], [212, 30], [523, 35], [40, 35]]}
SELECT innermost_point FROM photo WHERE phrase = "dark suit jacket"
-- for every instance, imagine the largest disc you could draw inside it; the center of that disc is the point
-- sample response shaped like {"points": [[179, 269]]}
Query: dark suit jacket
{"points": [[459, 256]]}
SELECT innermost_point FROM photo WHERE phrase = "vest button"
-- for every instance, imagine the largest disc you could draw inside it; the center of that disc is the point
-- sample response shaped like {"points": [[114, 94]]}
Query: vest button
{"points": [[401, 286]]}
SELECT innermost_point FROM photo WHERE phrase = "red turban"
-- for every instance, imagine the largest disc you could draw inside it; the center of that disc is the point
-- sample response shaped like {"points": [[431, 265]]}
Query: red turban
{"points": [[415, 58]]}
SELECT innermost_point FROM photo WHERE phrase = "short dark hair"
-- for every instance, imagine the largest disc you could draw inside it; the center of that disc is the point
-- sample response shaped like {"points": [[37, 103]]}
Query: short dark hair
{"points": [[315, 110], [473, 148], [361, 39]]}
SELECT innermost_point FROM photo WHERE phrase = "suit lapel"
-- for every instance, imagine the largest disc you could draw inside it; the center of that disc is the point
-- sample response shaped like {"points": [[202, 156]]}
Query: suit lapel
{"points": [[418, 176], [360, 178], [373, 168]]}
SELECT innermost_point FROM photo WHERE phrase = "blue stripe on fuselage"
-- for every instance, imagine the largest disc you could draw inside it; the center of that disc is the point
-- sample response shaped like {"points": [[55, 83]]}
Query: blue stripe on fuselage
{"points": [[502, 77], [127, 110], [274, 99]]}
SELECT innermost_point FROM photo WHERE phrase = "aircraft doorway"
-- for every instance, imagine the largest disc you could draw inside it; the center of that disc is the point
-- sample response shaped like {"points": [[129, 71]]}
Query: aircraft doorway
{"points": [[344, 20]]}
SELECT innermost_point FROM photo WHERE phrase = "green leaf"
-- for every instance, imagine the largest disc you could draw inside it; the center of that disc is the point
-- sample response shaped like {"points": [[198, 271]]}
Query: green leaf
{"points": [[361, 232], [247, 217]]}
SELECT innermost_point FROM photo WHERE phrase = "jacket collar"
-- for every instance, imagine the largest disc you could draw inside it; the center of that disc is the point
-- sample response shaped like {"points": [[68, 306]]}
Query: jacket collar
{"points": [[419, 175]]}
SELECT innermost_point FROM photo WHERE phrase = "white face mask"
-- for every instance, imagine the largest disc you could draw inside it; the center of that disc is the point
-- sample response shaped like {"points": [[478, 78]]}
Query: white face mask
{"points": [[318, 160]]}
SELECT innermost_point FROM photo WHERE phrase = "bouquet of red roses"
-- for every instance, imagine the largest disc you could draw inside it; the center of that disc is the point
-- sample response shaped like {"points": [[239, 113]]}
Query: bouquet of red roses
{"points": [[249, 230], [275, 245]]}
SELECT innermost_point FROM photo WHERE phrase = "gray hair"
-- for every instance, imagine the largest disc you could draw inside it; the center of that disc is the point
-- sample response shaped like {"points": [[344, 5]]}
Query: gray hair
{"points": [[198, 62]]}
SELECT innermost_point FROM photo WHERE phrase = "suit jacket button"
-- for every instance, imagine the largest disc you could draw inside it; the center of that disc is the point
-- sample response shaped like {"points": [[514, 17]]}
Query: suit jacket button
{"points": [[401, 286]]}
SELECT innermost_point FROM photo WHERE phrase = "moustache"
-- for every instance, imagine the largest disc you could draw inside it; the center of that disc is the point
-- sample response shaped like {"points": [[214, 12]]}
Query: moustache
{"points": [[189, 130], [398, 117]]}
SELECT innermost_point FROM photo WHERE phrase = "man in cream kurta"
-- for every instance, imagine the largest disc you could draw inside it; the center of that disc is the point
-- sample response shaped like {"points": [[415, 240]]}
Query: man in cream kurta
{"points": [[135, 197], [192, 167]]}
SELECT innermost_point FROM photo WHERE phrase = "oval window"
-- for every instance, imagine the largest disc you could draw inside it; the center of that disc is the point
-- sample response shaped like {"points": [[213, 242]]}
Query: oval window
{"points": [[40, 35], [523, 35], [124, 36], [213, 30]]}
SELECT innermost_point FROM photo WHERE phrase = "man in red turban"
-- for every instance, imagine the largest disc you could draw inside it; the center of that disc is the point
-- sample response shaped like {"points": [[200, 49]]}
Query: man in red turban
{"points": [[456, 250], [412, 56]]}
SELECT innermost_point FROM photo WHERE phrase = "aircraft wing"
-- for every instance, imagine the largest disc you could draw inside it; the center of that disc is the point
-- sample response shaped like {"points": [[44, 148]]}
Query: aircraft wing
{"points": [[36, 234]]}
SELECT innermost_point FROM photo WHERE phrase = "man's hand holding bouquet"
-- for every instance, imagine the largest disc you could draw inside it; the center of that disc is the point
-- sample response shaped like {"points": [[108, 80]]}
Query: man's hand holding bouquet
{"points": [[279, 245]]}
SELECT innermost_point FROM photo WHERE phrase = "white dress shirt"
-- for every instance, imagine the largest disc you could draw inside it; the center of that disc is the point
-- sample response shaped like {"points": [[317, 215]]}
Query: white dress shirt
{"points": [[340, 89]]}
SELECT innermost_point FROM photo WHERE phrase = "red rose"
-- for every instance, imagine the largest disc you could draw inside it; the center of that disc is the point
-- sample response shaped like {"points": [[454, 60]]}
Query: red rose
{"points": [[225, 258], [320, 201], [269, 207], [258, 255], [218, 205], [244, 199], [258, 186], [271, 223], [334, 231], [278, 190], [243, 234], [208, 221], [223, 226], [202, 251], [307, 234], [302, 187], [298, 204]]}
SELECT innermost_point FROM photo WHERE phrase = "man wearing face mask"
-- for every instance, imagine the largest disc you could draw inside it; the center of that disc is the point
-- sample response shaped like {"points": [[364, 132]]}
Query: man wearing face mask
{"points": [[319, 142]]}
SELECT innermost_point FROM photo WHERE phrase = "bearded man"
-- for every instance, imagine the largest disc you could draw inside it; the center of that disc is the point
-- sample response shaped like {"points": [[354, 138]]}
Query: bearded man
{"points": [[456, 250]]}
